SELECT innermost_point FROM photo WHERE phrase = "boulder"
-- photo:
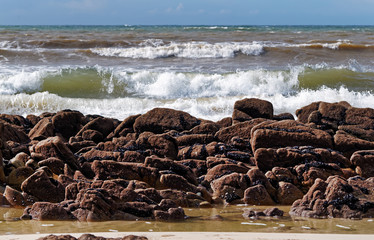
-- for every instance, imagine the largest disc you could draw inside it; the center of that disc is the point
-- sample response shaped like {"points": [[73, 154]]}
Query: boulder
{"points": [[268, 158], [223, 169], [288, 133], [42, 130], [44, 188], [364, 163], [46, 211], [100, 124], [338, 198], [241, 130], [348, 144], [160, 120], [249, 108], [230, 187], [67, 123], [55, 147], [287, 193], [257, 195]]}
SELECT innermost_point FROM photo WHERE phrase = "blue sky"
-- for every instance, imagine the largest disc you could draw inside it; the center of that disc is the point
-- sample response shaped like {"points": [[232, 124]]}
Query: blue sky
{"points": [[194, 12]]}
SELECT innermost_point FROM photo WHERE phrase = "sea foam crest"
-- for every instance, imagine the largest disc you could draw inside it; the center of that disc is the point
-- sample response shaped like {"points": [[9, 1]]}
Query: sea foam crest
{"points": [[184, 50]]}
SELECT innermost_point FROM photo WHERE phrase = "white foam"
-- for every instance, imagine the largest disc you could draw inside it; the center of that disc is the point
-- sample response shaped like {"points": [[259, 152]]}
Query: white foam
{"points": [[183, 50], [12, 82]]}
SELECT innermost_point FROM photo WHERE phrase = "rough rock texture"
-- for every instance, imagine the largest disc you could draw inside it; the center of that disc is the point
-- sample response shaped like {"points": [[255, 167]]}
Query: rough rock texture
{"points": [[337, 197], [160, 120], [250, 108], [288, 133]]}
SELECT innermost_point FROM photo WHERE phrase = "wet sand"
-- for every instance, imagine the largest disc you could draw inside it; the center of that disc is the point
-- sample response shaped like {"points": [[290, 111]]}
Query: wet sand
{"points": [[210, 235]]}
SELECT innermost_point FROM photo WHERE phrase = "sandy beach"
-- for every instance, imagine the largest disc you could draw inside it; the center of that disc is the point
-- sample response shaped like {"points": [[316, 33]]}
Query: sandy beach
{"points": [[209, 235]]}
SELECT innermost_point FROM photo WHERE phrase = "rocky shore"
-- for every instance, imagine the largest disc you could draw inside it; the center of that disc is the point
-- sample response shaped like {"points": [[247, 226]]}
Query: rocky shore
{"points": [[67, 166]]}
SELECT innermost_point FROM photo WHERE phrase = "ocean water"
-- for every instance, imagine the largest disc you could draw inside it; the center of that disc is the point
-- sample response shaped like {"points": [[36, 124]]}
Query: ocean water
{"points": [[117, 71]]}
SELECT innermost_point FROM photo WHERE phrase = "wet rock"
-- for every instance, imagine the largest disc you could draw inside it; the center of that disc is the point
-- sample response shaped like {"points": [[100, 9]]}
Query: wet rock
{"points": [[42, 130], [206, 128], [303, 113], [287, 193], [100, 124], [45, 211], [348, 144], [335, 197], [173, 214], [257, 195], [159, 120], [197, 151], [170, 165], [107, 169], [257, 177], [241, 130], [223, 169], [125, 127], [55, 147], [268, 158], [54, 164], [18, 175], [249, 108], [133, 156], [92, 135], [288, 133], [14, 133], [273, 212], [230, 187], [174, 181], [14, 197], [67, 123], [283, 116], [364, 162], [44, 188], [58, 237], [163, 145], [188, 140]]}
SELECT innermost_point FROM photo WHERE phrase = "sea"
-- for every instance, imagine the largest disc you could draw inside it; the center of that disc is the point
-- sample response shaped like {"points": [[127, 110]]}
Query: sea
{"points": [[118, 71]]}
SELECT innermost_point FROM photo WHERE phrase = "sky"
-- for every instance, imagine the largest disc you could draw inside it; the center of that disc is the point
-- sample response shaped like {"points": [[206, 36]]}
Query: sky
{"points": [[187, 12]]}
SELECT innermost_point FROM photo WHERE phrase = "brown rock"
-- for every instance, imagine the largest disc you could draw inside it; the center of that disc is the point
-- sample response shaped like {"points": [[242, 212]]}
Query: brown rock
{"points": [[172, 214], [92, 135], [188, 140], [54, 164], [42, 130], [241, 130], [257, 177], [223, 169], [100, 124], [45, 211], [268, 158], [174, 181], [126, 126], [172, 166], [348, 144], [67, 123], [163, 145], [18, 175], [364, 162], [303, 113], [205, 128], [288, 133], [44, 188], [160, 120], [230, 187], [107, 169], [257, 195], [249, 108], [287, 193], [55, 147]]}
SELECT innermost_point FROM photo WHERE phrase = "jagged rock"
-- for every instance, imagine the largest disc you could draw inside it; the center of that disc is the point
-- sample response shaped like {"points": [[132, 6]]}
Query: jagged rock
{"points": [[67, 123], [55, 147], [42, 130], [348, 144], [338, 198], [100, 124], [44, 188]]}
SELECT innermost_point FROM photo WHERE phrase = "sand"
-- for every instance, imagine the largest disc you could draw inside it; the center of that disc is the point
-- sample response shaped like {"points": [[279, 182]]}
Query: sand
{"points": [[209, 235]]}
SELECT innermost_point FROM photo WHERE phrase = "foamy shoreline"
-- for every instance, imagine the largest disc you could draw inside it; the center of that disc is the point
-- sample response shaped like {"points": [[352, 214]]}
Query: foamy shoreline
{"points": [[206, 235]]}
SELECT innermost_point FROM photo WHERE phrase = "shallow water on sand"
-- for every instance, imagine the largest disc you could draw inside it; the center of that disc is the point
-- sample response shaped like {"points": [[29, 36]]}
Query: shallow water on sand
{"points": [[220, 219]]}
